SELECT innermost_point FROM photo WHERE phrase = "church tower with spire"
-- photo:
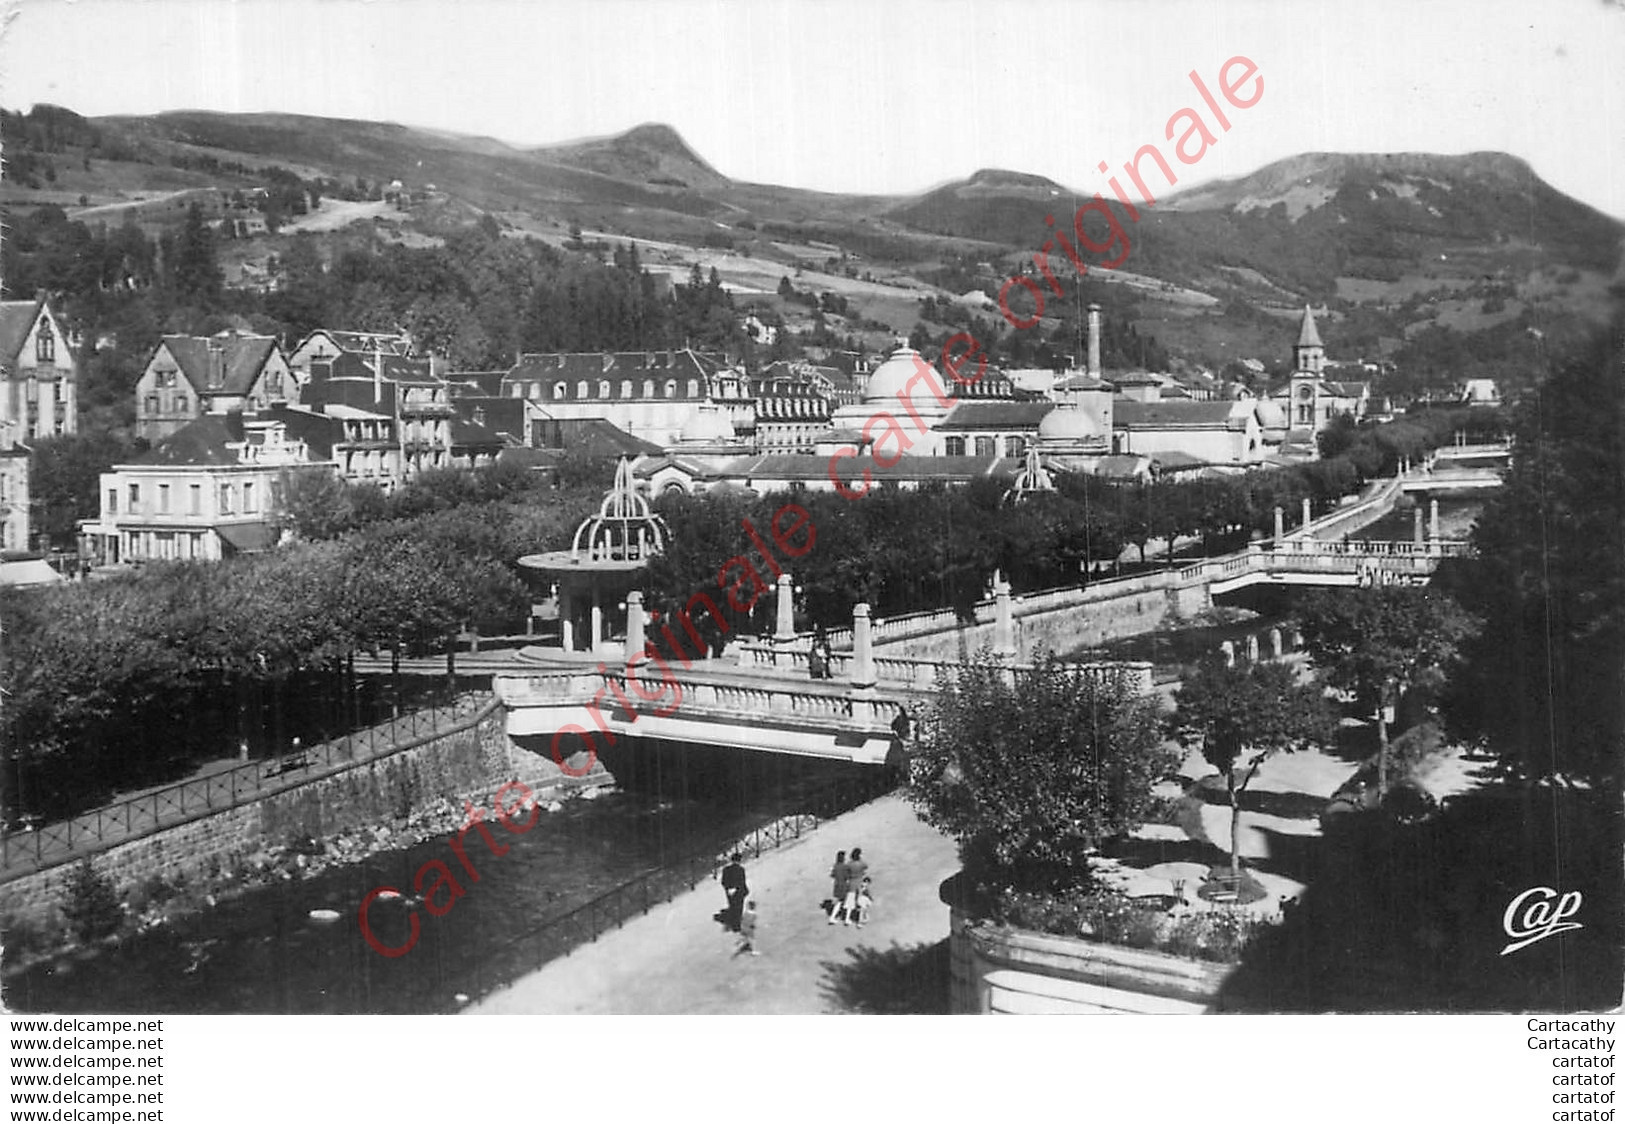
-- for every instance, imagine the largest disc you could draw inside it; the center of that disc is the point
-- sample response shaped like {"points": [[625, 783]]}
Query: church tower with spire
{"points": [[1309, 362]]}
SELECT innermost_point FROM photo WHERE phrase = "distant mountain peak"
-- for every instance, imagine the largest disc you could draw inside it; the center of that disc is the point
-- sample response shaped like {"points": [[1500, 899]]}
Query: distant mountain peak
{"points": [[652, 152], [657, 134], [1003, 177], [1308, 180]]}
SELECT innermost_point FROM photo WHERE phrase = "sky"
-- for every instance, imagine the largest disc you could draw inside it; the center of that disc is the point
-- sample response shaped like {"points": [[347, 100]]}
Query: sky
{"points": [[873, 97]]}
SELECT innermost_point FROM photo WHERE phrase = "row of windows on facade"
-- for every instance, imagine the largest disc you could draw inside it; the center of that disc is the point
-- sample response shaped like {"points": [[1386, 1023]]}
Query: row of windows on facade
{"points": [[169, 379], [584, 389], [194, 506], [984, 446], [164, 545], [793, 408]]}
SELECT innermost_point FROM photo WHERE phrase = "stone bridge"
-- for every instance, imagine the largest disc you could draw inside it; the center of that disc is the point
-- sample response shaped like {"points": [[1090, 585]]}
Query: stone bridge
{"points": [[765, 701]]}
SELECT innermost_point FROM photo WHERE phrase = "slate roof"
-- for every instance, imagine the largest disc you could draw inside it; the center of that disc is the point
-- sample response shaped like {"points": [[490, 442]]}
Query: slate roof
{"points": [[1134, 378], [1175, 415], [476, 384], [202, 441], [319, 432], [465, 433], [792, 466], [241, 359], [572, 365], [1083, 382], [390, 343], [503, 416], [1348, 389], [996, 415], [1308, 334], [16, 317], [1122, 466], [597, 437], [360, 393]]}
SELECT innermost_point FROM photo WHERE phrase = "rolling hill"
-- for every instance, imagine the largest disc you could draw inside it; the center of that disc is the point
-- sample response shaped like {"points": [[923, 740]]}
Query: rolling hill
{"points": [[1393, 245]]}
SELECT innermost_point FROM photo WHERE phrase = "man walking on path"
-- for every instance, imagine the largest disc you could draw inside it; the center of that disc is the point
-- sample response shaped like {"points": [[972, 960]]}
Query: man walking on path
{"points": [[856, 869], [734, 885]]}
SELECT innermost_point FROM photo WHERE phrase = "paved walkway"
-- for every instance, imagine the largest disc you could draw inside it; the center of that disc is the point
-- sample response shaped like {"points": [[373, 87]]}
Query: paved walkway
{"points": [[678, 960]]}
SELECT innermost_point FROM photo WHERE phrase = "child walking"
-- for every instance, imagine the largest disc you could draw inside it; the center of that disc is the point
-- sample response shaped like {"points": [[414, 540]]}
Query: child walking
{"points": [[865, 899], [747, 930]]}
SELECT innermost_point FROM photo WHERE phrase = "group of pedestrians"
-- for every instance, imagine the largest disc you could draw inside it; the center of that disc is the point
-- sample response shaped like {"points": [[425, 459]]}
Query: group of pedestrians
{"points": [[851, 897]]}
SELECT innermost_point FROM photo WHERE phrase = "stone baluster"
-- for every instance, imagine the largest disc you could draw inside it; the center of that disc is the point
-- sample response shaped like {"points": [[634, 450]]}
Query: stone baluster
{"points": [[1252, 647], [1275, 643], [863, 662], [1228, 650]]}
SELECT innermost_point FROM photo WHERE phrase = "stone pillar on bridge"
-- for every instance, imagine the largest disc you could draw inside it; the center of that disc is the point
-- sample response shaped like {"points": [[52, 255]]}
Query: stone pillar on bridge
{"points": [[1228, 648], [786, 630], [634, 623], [1416, 533], [1004, 624], [1252, 647], [1306, 511], [1275, 643], [1433, 520], [863, 660], [1297, 640], [1280, 523]]}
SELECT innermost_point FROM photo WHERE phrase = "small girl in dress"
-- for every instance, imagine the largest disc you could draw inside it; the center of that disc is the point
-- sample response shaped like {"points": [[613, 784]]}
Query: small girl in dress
{"points": [[864, 901]]}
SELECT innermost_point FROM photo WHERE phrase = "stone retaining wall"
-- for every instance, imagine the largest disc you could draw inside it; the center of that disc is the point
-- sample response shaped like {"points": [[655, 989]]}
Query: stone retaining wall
{"points": [[470, 763], [1088, 620]]}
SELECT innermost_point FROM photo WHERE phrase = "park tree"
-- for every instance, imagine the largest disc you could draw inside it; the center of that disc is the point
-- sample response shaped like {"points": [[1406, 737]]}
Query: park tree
{"points": [[1544, 683], [194, 275], [1381, 641], [65, 478], [1241, 715], [1031, 770]]}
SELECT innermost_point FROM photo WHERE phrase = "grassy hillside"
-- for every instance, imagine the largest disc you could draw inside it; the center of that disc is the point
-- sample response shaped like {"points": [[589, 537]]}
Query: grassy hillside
{"points": [[1435, 261]]}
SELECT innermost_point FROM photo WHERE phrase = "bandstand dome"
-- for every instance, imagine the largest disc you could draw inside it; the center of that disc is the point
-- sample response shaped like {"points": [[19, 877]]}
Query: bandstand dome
{"points": [[610, 547]]}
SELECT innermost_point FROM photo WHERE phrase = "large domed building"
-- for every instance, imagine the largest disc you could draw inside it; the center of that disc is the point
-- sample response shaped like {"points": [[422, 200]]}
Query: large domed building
{"points": [[903, 403]]}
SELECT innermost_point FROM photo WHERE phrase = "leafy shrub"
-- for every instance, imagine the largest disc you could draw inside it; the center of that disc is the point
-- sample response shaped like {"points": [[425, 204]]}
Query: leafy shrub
{"points": [[93, 908]]}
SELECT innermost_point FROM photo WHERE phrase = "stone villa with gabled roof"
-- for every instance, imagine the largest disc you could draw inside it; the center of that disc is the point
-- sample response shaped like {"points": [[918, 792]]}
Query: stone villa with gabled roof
{"points": [[41, 372], [39, 393], [191, 376]]}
